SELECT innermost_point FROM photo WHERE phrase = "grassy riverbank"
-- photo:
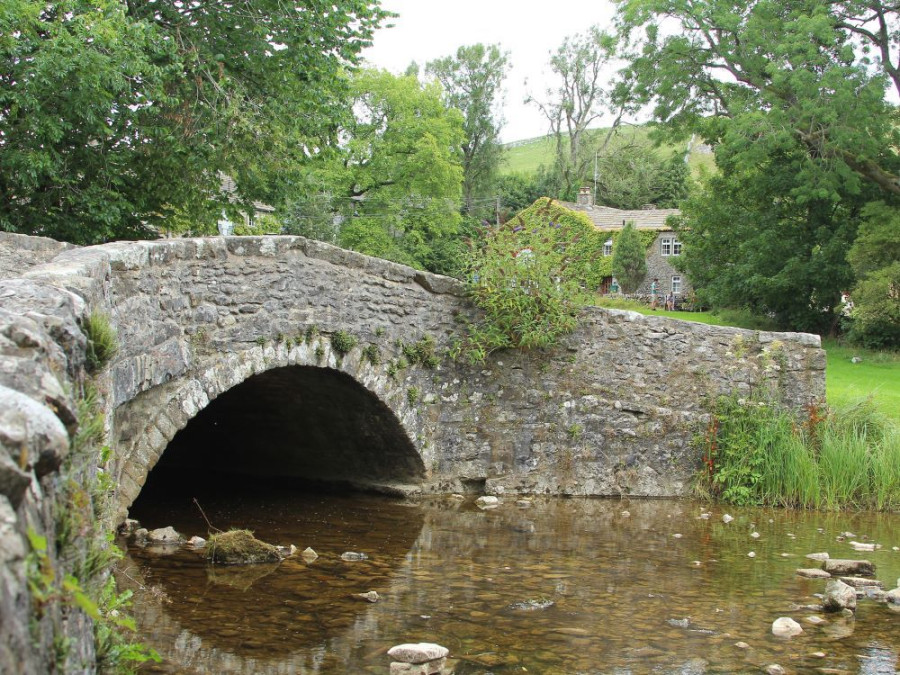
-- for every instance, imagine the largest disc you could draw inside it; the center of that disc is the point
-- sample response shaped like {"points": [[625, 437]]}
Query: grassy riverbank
{"points": [[875, 375]]}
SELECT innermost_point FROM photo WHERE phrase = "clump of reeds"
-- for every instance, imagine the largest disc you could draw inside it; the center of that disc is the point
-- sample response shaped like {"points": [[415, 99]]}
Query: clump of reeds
{"points": [[755, 452]]}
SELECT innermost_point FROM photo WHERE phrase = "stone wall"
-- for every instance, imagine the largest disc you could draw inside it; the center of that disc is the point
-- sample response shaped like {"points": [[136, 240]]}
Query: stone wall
{"points": [[42, 350], [609, 412]]}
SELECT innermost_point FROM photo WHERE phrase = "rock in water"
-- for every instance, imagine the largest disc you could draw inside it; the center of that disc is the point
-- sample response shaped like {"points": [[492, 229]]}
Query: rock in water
{"points": [[487, 502], [164, 535], [420, 652], [532, 605], [309, 555], [786, 627], [847, 568], [353, 556], [370, 596], [424, 658], [839, 596], [239, 547]]}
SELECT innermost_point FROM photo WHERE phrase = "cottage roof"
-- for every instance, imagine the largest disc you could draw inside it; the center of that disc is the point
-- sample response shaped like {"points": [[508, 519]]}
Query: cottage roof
{"points": [[606, 218]]}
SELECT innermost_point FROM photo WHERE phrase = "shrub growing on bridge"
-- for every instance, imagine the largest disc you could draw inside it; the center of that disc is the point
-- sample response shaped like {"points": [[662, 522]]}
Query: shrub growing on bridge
{"points": [[522, 279]]}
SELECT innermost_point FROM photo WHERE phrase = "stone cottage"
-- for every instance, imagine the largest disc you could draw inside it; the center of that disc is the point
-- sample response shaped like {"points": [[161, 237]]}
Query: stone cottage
{"points": [[661, 254]]}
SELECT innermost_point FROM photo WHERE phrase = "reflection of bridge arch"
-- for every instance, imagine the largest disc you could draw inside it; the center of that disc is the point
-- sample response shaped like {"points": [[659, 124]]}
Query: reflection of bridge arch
{"points": [[273, 411], [291, 617]]}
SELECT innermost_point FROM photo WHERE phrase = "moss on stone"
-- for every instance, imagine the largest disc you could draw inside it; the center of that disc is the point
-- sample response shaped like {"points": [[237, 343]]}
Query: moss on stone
{"points": [[239, 547]]}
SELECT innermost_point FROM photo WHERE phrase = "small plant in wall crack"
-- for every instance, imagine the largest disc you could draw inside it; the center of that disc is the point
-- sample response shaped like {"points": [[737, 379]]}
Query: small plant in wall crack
{"points": [[412, 395], [102, 341], [395, 367], [372, 354], [343, 342], [421, 352]]}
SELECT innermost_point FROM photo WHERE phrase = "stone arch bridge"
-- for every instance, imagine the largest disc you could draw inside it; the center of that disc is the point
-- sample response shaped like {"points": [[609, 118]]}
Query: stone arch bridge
{"points": [[288, 357]]}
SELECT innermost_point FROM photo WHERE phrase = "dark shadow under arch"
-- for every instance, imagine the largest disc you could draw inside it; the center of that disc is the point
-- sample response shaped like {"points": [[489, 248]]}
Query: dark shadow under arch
{"points": [[301, 422]]}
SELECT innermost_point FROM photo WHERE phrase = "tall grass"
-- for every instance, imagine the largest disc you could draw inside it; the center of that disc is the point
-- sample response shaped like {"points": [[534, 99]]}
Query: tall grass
{"points": [[758, 453]]}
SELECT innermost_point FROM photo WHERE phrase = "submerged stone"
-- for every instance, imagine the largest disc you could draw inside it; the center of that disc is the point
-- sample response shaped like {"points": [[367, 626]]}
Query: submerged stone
{"points": [[786, 627], [352, 556], [487, 502], [532, 605]]}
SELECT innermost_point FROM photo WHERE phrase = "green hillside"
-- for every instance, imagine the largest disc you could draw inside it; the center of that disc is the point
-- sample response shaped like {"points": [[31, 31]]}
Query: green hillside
{"points": [[527, 155]]}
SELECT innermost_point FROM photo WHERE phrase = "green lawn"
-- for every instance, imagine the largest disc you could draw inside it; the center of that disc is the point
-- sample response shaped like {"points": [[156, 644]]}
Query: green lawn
{"points": [[876, 375]]}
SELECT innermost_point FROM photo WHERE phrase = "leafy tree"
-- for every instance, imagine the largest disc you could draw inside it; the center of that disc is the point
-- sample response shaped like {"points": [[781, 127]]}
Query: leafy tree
{"points": [[632, 175], [115, 116], [580, 65], [774, 75], [875, 257], [753, 239], [395, 180], [629, 263], [518, 191], [472, 83], [793, 97]]}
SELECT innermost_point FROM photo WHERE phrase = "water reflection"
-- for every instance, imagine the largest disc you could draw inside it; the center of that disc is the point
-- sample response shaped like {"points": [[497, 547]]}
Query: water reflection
{"points": [[558, 586]]}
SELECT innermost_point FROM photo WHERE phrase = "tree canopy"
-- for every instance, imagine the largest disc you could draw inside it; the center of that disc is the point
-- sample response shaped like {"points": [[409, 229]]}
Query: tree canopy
{"points": [[115, 116], [391, 187], [797, 98], [580, 97], [770, 75], [472, 82]]}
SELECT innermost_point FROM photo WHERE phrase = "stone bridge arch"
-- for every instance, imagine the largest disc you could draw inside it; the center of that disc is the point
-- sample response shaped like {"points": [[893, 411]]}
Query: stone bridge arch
{"points": [[367, 436]]}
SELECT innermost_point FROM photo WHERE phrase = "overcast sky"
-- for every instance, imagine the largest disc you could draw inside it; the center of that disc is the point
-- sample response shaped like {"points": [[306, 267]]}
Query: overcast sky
{"points": [[529, 31]]}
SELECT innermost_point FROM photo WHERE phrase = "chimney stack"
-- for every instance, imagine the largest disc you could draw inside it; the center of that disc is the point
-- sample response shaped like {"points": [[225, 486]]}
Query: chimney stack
{"points": [[584, 197]]}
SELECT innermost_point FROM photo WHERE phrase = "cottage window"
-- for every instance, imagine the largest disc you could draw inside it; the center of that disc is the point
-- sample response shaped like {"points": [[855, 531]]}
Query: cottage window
{"points": [[607, 247], [670, 246], [676, 285]]}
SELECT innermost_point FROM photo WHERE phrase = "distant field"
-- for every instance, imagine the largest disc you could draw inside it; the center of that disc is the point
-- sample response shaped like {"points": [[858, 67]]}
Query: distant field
{"points": [[527, 156], [876, 375]]}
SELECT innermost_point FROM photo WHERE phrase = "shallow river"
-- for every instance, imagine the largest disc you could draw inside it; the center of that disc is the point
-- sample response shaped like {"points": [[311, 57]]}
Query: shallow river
{"points": [[557, 586]]}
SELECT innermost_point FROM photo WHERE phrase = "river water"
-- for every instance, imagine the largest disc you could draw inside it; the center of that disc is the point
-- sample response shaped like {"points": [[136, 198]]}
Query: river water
{"points": [[554, 586]]}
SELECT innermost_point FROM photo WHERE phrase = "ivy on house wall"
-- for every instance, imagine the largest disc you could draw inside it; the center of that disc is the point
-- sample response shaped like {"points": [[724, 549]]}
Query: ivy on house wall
{"points": [[584, 241]]}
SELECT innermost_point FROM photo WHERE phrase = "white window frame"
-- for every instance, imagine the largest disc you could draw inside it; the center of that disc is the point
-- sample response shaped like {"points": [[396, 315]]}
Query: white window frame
{"points": [[607, 247], [676, 246], [676, 284], [665, 246]]}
